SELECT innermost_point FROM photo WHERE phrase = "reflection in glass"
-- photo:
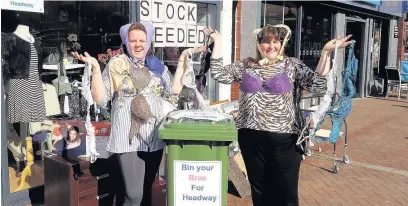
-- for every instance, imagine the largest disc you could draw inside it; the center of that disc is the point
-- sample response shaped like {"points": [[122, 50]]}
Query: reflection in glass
{"points": [[316, 31]]}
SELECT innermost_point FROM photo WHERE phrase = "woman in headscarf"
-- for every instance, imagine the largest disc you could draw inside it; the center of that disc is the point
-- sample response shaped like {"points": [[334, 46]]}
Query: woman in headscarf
{"points": [[137, 84], [269, 118]]}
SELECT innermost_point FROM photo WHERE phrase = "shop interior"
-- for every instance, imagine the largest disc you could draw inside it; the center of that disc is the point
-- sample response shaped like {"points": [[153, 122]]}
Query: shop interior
{"points": [[63, 27]]}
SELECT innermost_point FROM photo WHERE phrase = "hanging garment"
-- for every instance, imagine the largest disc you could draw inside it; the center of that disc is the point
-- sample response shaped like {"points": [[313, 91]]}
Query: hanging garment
{"points": [[77, 104], [317, 116], [52, 106], [342, 108], [189, 80], [339, 110], [90, 130], [26, 97]]}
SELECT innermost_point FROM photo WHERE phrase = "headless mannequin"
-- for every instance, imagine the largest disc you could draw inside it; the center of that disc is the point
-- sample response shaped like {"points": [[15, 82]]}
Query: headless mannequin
{"points": [[22, 128], [23, 32]]}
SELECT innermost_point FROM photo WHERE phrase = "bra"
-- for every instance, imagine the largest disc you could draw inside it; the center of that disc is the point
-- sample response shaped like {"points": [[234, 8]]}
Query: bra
{"points": [[277, 84]]}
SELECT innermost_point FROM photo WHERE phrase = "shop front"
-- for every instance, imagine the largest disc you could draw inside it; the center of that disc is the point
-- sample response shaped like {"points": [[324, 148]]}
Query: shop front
{"points": [[372, 24], [36, 118]]}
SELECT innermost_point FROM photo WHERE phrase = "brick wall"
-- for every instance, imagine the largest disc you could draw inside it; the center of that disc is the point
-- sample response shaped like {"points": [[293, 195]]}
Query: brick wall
{"points": [[237, 43]]}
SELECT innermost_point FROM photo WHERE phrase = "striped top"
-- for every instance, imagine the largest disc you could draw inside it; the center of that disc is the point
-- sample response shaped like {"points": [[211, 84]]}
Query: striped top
{"points": [[265, 111], [148, 139], [25, 96]]}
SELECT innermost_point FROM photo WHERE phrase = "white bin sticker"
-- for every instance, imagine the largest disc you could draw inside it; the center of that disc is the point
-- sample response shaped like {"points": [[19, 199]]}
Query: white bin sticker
{"points": [[198, 183]]}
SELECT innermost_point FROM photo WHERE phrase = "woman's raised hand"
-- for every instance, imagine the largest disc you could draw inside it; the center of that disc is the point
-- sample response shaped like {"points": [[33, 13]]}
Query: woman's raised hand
{"points": [[87, 58], [189, 51], [214, 34], [340, 42]]}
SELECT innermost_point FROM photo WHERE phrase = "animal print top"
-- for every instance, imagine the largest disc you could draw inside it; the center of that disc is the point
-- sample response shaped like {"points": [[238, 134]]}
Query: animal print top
{"points": [[265, 111]]}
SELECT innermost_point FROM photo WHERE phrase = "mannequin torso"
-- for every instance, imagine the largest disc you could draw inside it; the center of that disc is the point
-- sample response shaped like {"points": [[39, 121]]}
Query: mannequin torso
{"points": [[23, 32]]}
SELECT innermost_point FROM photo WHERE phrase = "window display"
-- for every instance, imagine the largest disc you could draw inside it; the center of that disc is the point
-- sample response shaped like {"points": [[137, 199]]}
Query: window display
{"points": [[42, 80]]}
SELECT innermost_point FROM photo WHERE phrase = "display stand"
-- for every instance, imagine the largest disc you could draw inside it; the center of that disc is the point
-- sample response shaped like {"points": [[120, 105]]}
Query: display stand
{"points": [[197, 161]]}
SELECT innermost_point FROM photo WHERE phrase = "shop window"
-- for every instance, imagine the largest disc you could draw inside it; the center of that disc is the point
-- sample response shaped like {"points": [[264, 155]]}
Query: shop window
{"points": [[206, 16], [315, 33], [64, 26], [283, 13]]}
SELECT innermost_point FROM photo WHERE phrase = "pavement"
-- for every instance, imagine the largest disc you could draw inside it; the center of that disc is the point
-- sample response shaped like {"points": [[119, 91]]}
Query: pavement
{"points": [[378, 171]]}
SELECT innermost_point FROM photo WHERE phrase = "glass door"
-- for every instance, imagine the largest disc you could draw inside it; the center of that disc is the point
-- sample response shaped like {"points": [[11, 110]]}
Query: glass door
{"points": [[357, 26]]}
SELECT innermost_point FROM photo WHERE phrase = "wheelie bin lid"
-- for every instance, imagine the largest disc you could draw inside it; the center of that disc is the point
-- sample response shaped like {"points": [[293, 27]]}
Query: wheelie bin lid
{"points": [[200, 125], [199, 131]]}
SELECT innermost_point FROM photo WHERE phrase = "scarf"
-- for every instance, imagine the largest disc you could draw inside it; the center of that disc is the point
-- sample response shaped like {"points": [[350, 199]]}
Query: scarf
{"points": [[152, 62]]}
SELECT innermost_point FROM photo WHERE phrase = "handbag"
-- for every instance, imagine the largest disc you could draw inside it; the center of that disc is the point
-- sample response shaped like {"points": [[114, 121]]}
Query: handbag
{"points": [[61, 84]]}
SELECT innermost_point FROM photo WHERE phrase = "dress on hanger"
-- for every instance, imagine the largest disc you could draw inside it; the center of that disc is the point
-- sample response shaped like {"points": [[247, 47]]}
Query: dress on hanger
{"points": [[25, 101]]}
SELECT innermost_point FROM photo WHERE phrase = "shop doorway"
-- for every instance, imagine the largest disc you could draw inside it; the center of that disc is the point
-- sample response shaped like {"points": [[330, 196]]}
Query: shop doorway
{"points": [[356, 27]]}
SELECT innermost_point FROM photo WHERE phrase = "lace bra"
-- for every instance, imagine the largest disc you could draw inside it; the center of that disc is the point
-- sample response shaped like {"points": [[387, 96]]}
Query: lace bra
{"points": [[277, 84]]}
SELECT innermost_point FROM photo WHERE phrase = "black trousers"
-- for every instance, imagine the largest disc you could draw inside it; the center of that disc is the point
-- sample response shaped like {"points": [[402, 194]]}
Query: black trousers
{"points": [[272, 162]]}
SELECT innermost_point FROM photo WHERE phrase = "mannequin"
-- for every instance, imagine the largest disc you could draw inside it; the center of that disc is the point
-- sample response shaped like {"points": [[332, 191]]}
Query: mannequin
{"points": [[25, 94], [23, 32], [25, 97]]}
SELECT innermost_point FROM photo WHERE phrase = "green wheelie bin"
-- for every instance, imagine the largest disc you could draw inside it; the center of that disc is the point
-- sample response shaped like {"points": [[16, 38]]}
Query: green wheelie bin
{"points": [[197, 162]]}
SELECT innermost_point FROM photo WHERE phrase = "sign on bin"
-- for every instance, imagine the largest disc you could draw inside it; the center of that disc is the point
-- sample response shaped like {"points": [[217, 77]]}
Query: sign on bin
{"points": [[197, 183]]}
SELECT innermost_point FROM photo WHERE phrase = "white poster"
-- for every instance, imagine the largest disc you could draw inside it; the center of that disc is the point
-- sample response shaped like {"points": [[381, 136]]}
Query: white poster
{"points": [[191, 35], [198, 183], [175, 22], [160, 34], [23, 5]]}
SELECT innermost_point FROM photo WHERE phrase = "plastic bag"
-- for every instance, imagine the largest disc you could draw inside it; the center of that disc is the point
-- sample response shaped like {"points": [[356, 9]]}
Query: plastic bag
{"points": [[52, 59]]}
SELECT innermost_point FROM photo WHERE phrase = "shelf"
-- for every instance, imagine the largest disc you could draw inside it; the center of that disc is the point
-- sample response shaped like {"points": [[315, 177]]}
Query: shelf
{"points": [[67, 66]]}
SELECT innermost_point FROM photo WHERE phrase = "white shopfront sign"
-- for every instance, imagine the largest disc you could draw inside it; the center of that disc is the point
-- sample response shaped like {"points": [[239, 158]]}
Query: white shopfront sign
{"points": [[198, 183], [23, 5], [175, 22]]}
